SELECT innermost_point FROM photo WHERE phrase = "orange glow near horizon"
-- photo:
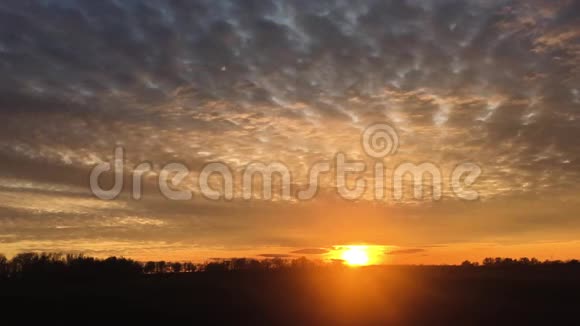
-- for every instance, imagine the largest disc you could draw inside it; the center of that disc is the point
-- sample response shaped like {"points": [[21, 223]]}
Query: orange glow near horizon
{"points": [[358, 255]]}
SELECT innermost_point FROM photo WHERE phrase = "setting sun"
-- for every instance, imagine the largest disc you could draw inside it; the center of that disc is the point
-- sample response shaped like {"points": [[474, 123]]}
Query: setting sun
{"points": [[359, 255], [356, 256]]}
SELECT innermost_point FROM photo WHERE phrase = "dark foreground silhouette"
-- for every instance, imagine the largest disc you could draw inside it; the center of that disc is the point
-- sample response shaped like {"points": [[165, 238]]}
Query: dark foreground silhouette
{"points": [[245, 291]]}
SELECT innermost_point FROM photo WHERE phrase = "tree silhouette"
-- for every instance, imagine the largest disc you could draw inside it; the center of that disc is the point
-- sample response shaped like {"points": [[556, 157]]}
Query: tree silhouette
{"points": [[176, 267], [160, 266], [149, 267], [3, 266]]}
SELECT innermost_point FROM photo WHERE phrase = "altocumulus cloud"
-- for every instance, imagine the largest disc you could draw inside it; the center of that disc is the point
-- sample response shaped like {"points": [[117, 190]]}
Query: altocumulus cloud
{"points": [[495, 82]]}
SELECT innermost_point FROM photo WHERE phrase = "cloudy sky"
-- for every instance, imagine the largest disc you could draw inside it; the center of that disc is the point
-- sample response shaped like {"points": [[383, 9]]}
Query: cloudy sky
{"points": [[496, 83]]}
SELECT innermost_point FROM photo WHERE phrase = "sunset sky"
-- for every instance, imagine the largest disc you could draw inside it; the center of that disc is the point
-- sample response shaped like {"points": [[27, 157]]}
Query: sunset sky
{"points": [[495, 83]]}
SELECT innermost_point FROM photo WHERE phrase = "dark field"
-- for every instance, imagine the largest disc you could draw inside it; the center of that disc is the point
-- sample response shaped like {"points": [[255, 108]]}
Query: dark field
{"points": [[543, 295]]}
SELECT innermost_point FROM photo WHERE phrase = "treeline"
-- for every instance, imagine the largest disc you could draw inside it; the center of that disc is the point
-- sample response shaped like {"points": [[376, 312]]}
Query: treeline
{"points": [[521, 262], [249, 264], [78, 266], [225, 265], [69, 266]]}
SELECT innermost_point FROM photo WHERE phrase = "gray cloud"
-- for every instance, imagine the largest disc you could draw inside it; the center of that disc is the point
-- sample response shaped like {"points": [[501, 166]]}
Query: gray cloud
{"points": [[494, 82], [275, 255], [310, 251], [409, 251]]}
